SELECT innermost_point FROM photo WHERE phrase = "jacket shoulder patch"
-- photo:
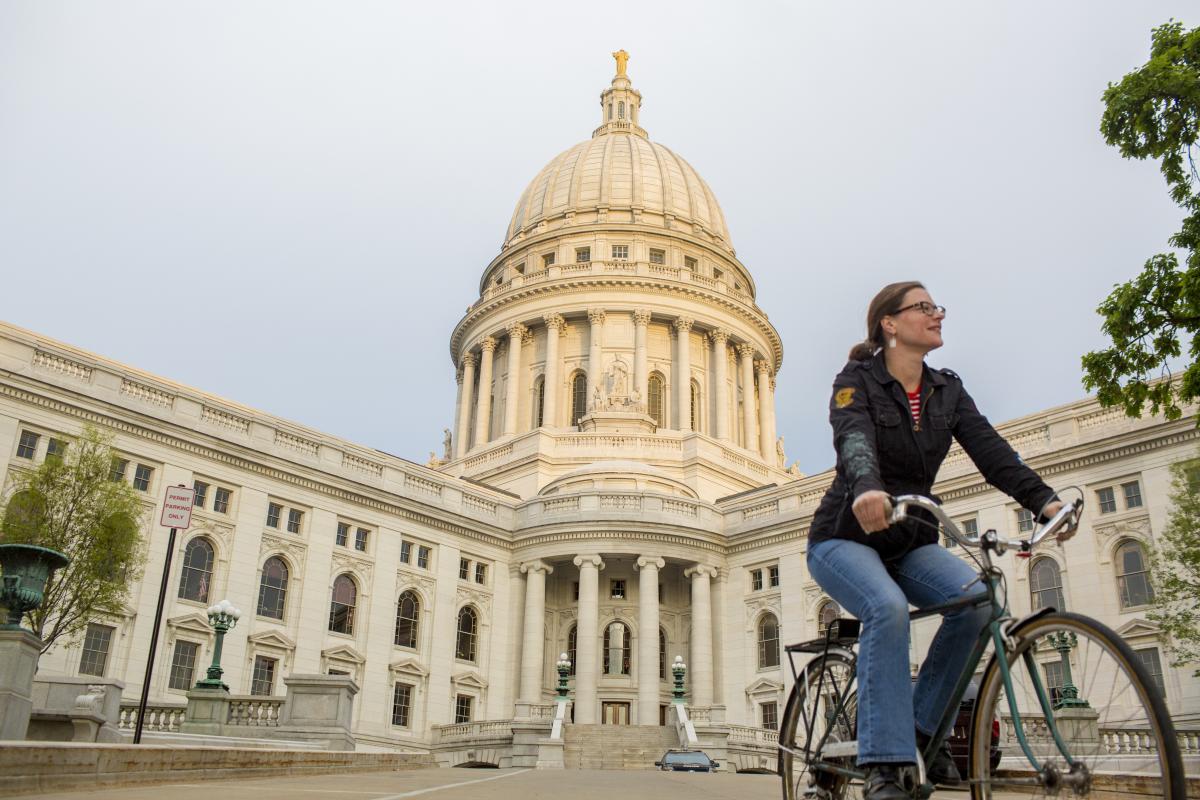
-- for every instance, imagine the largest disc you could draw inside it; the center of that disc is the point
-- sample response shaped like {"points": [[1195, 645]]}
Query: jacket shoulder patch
{"points": [[844, 397]]}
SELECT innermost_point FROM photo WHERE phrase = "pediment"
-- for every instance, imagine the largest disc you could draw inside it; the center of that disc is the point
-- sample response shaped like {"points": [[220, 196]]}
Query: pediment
{"points": [[764, 686], [272, 639], [1139, 628], [409, 666], [469, 680], [344, 652], [194, 623]]}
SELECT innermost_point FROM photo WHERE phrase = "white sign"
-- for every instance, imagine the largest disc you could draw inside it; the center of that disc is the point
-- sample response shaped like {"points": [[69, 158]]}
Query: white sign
{"points": [[177, 508]]}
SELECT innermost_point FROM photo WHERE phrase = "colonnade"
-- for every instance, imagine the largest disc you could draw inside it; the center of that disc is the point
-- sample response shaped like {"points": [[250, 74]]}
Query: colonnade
{"points": [[475, 398]]}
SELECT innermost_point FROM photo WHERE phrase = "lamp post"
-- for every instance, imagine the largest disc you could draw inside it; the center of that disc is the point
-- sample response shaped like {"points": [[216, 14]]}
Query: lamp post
{"points": [[678, 668], [1064, 642], [222, 617], [563, 665]]}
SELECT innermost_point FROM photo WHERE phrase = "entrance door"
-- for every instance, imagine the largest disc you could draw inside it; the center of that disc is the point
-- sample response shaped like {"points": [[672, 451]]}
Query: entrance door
{"points": [[614, 713]]}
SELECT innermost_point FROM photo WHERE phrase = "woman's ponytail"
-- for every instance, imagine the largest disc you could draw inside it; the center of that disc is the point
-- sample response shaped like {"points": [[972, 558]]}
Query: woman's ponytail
{"points": [[886, 302]]}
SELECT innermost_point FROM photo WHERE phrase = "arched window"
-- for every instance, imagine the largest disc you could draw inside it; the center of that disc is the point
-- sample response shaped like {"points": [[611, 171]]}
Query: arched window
{"points": [[610, 111], [408, 610], [272, 588], [578, 397], [572, 635], [1132, 576], [654, 399], [468, 631], [539, 401], [826, 615], [695, 405], [196, 576], [616, 649], [662, 654], [1045, 585], [768, 641], [341, 605], [620, 109]]}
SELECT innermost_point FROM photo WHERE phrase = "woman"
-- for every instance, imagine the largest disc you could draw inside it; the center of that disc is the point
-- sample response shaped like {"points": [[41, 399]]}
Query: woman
{"points": [[893, 418]]}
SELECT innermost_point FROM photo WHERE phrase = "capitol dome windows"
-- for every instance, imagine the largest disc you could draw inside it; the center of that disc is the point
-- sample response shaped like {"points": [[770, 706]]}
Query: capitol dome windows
{"points": [[620, 252], [695, 405], [583, 255], [539, 401], [658, 256], [655, 399], [578, 396]]}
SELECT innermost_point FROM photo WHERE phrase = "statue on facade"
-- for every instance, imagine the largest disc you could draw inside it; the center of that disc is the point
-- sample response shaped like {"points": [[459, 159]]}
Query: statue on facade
{"points": [[447, 453], [622, 59], [618, 378], [794, 470], [780, 457]]}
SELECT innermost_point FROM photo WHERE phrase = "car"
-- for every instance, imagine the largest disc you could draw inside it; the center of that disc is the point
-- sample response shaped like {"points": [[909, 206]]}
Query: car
{"points": [[687, 761], [957, 741]]}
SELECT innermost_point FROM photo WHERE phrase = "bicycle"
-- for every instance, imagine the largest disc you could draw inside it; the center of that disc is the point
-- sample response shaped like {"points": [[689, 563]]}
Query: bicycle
{"points": [[1069, 738]]}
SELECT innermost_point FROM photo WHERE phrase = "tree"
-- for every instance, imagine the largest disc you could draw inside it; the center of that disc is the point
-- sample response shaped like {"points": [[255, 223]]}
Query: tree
{"points": [[1154, 112], [70, 503], [1175, 568]]}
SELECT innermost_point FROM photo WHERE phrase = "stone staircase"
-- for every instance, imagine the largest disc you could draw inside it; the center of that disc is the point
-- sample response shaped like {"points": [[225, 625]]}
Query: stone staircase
{"points": [[616, 746]]}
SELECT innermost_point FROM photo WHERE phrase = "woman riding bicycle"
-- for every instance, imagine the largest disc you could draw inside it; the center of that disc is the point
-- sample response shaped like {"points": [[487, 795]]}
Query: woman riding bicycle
{"points": [[893, 418]]}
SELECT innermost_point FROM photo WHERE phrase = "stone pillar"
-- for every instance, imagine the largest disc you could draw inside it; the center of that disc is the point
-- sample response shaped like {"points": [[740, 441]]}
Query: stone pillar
{"points": [[550, 379], [647, 673], [749, 407], [683, 374], [483, 412], [701, 665], [534, 642], [19, 651], [587, 638], [463, 432], [595, 341], [720, 340], [766, 440], [769, 412], [641, 375], [512, 394]]}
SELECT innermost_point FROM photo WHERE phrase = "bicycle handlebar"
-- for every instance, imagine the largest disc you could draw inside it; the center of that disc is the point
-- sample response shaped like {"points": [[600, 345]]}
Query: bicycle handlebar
{"points": [[1067, 518]]}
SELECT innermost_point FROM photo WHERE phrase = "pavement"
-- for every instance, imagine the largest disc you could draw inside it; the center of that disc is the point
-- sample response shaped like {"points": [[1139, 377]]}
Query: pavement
{"points": [[463, 784]]}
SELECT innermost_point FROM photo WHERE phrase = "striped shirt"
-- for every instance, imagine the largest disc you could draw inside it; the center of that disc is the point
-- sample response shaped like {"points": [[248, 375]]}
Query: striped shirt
{"points": [[914, 404]]}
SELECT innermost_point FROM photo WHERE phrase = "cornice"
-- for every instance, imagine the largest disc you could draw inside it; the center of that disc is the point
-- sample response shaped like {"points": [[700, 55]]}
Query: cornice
{"points": [[523, 546]]}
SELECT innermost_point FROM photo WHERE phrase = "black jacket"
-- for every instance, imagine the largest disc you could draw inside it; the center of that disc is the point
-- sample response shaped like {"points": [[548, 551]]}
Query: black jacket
{"points": [[880, 447]]}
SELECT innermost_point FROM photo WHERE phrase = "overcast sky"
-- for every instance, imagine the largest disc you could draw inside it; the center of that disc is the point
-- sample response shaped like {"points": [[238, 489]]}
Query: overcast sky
{"points": [[290, 204]]}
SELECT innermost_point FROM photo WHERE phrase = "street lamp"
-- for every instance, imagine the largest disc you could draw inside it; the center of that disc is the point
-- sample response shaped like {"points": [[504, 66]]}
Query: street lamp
{"points": [[678, 668], [222, 617], [563, 665], [1064, 642]]}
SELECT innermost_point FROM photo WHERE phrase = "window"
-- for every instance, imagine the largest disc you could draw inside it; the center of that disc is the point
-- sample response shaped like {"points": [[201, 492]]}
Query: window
{"points": [[826, 615], [548, 259], [273, 512], [969, 528], [408, 609], [658, 256], [583, 255], [468, 630], [654, 399], [263, 680], [572, 636], [773, 576], [197, 570], [1133, 493], [272, 588], [1132, 576], [575, 591], [27, 447], [756, 582], [1108, 501], [694, 406], [423, 556], [620, 252], [768, 642], [343, 534], [616, 589], [1054, 681], [1024, 520], [620, 109], [341, 605], [464, 569], [360, 539], [406, 552], [56, 448], [117, 471], [1045, 585], [95, 649], [617, 649], [662, 654], [690, 262], [520, 268], [480, 573], [462, 708], [183, 665], [221, 500], [401, 703], [141, 477], [201, 493], [1150, 660], [770, 716], [717, 274], [578, 397], [294, 517], [539, 399]]}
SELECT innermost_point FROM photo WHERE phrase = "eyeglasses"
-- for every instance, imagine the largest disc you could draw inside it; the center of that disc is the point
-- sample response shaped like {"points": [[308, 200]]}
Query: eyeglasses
{"points": [[928, 309]]}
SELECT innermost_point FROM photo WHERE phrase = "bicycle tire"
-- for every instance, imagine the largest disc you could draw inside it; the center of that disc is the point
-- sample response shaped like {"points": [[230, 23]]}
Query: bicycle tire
{"points": [[794, 733], [1119, 695]]}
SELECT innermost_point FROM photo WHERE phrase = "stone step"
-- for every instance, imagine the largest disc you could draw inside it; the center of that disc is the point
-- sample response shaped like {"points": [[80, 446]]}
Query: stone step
{"points": [[616, 746]]}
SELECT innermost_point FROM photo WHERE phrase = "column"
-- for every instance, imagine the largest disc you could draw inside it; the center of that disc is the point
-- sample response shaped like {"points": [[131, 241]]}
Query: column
{"points": [[766, 441], [749, 407], [641, 375], [534, 641], [512, 395], [700, 667], [463, 432], [683, 373], [554, 328], [483, 408], [768, 412], [587, 638], [720, 340], [595, 340], [648, 691]]}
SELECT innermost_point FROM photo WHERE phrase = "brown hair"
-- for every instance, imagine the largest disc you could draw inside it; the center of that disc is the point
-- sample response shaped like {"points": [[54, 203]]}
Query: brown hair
{"points": [[885, 303]]}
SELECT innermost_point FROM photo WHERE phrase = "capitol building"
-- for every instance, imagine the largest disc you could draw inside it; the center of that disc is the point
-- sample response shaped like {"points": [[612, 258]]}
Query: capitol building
{"points": [[612, 488]]}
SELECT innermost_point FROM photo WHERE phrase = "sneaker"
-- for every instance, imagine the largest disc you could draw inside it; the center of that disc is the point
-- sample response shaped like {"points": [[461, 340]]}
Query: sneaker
{"points": [[883, 782], [941, 769]]}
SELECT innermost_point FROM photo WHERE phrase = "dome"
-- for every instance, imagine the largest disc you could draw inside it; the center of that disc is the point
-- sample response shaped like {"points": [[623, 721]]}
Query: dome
{"points": [[618, 476]]}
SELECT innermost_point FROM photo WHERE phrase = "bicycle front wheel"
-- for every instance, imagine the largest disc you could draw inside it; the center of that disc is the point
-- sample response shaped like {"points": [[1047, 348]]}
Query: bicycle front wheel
{"points": [[821, 709], [1115, 738]]}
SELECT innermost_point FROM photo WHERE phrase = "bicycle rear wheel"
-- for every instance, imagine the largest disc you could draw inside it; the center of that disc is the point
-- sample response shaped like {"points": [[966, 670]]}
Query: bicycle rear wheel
{"points": [[1110, 716], [822, 708]]}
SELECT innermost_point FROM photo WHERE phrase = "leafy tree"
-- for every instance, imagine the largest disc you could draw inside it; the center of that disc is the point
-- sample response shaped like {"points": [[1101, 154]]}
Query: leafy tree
{"points": [[70, 503], [1175, 568], [1154, 113]]}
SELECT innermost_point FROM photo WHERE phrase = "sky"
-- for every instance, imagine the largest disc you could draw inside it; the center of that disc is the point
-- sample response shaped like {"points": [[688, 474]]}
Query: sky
{"points": [[290, 204]]}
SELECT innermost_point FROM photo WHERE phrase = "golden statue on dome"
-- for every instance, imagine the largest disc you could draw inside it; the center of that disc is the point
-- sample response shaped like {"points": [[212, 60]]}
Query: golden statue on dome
{"points": [[622, 59]]}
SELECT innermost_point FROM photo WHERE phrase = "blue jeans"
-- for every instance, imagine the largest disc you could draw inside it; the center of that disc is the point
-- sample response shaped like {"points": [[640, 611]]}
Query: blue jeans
{"points": [[890, 707]]}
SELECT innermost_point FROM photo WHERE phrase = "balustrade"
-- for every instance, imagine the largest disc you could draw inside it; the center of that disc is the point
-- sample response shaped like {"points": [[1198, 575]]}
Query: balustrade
{"points": [[255, 712], [160, 717]]}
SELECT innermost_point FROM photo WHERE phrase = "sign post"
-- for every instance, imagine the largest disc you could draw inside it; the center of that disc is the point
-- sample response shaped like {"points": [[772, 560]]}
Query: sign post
{"points": [[176, 514]]}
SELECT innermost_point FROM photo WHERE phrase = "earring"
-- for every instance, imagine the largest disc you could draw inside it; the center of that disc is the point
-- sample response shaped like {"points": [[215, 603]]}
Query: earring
{"points": [[892, 341]]}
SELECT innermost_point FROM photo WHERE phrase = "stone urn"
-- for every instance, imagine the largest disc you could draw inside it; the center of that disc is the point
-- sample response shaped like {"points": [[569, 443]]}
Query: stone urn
{"points": [[24, 571]]}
